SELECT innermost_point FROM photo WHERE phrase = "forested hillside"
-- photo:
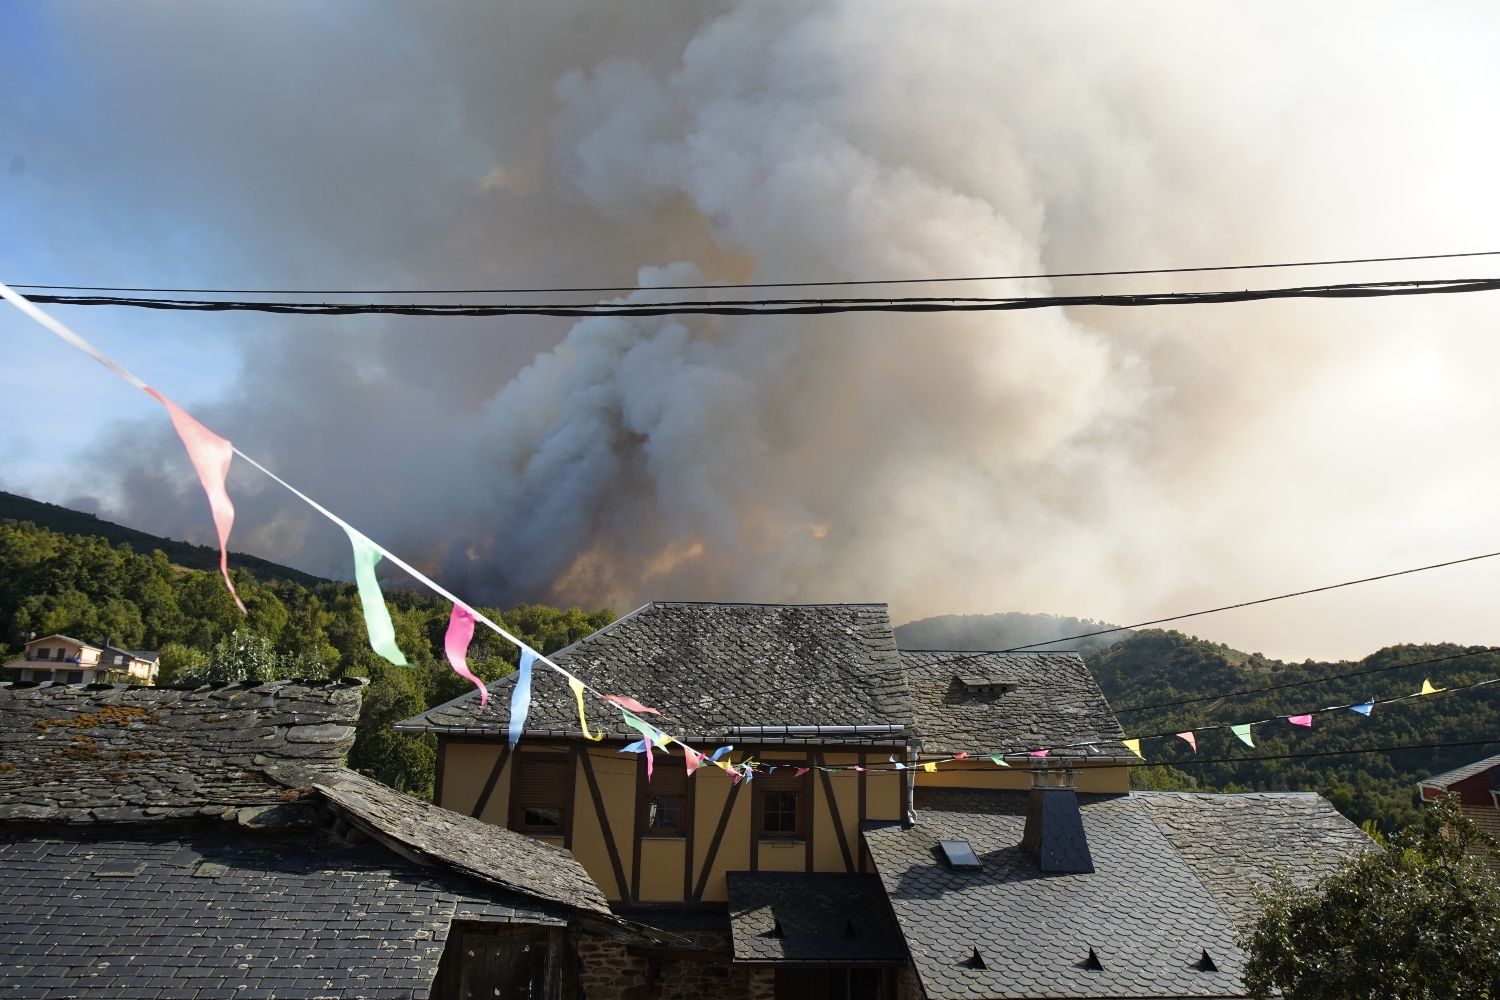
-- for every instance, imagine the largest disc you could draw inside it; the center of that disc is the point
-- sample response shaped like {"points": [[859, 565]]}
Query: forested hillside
{"points": [[75, 522], [1154, 667], [1005, 630], [88, 588]]}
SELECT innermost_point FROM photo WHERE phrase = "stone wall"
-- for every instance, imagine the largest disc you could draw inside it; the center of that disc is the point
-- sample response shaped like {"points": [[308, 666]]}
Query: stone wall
{"points": [[610, 971]]}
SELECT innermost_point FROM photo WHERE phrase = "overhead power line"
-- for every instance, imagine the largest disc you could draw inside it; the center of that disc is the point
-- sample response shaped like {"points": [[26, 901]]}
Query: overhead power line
{"points": [[753, 284], [965, 657], [793, 307], [1386, 668]]}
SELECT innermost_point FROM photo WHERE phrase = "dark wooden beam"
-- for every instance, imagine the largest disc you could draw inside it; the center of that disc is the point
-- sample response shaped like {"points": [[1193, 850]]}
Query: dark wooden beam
{"points": [[640, 824], [489, 785], [713, 845], [604, 829], [568, 797], [864, 810], [833, 811], [437, 781], [689, 822]]}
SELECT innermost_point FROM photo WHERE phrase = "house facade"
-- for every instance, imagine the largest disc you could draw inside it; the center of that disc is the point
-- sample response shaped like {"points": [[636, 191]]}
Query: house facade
{"points": [[901, 837], [67, 660], [1477, 786]]}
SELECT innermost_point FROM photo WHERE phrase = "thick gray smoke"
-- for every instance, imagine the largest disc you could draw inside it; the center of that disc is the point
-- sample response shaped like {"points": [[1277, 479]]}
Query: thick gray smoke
{"points": [[1115, 464]]}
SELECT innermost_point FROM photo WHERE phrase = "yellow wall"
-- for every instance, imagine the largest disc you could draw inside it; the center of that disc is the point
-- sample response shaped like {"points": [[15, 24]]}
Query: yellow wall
{"points": [[467, 766]]}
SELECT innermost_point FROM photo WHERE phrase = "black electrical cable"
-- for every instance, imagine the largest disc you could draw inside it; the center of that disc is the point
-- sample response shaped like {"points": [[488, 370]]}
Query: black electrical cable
{"points": [[1311, 680], [756, 284], [796, 307]]}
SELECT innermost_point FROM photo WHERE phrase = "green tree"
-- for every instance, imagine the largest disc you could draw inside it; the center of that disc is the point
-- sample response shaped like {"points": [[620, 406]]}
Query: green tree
{"points": [[180, 664], [1417, 921]]}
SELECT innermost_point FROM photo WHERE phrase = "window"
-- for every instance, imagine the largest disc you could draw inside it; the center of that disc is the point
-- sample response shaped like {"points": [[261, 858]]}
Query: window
{"points": [[62, 654], [41, 653], [782, 805], [540, 793], [664, 803], [41, 675], [73, 677], [119, 660]]}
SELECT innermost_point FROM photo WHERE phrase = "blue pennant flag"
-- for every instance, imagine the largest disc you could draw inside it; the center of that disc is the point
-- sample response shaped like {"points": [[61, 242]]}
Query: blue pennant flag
{"points": [[719, 753], [1363, 709], [520, 696]]}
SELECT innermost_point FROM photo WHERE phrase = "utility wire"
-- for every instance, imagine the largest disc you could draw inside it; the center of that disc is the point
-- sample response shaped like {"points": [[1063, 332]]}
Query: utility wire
{"points": [[982, 654], [754, 284], [795, 307], [1225, 607], [1313, 680]]}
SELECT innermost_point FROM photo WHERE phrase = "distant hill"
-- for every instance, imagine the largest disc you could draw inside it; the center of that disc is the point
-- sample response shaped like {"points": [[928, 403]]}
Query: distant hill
{"points": [[1145, 674], [1003, 631], [67, 521]]}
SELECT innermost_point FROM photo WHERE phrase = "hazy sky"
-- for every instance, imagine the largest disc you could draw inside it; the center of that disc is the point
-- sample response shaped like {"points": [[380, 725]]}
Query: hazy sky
{"points": [[1115, 464]]}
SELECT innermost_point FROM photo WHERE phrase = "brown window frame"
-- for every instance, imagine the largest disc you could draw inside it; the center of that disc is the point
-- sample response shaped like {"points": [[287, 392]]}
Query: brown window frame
{"points": [[666, 782], [777, 784], [522, 800]]}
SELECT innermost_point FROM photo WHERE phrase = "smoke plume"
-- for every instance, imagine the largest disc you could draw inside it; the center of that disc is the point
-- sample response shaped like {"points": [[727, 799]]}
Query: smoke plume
{"points": [[1117, 464]]}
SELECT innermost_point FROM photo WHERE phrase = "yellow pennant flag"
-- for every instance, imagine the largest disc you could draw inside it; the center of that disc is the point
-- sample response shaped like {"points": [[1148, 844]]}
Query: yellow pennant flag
{"points": [[1427, 688], [576, 686], [1134, 746], [929, 766]]}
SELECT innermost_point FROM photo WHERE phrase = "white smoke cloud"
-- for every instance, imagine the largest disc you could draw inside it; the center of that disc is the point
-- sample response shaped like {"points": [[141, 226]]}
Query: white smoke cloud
{"points": [[1118, 464]]}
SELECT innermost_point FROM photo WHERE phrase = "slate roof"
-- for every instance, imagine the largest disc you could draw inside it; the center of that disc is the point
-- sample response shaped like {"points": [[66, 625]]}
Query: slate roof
{"points": [[1145, 911], [492, 854], [710, 667], [207, 910], [793, 918], [1233, 841], [1450, 778], [261, 754], [1055, 701], [120, 753]]}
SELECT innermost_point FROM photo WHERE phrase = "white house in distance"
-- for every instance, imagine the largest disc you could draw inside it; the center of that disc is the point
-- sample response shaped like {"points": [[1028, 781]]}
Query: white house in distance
{"points": [[70, 661]]}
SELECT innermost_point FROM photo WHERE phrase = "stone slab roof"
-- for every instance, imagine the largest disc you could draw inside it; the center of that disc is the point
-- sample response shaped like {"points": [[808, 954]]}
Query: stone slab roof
{"points": [[121, 753], [1450, 778], [490, 853], [1234, 842], [206, 910], [710, 667], [792, 918], [267, 755], [1145, 911], [1051, 699]]}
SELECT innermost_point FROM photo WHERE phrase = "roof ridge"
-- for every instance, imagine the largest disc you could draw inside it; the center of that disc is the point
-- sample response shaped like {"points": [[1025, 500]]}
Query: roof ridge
{"points": [[309, 682], [770, 604], [997, 652]]}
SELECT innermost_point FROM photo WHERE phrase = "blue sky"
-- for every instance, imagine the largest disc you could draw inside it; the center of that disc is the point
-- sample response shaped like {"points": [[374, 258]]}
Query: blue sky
{"points": [[1082, 463]]}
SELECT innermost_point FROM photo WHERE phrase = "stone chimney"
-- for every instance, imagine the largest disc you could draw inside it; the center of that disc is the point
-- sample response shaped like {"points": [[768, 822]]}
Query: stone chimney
{"points": [[1054, 834]]}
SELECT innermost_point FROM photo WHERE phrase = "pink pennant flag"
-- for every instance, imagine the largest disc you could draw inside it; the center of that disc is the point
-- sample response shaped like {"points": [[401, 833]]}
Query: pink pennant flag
{"points": [[1039, 753], [691, 758], [961, 755], [800, 772], [630, 704], [1192, 739], [456, 645], [210, 455], [858, 768], [1300, 720]]}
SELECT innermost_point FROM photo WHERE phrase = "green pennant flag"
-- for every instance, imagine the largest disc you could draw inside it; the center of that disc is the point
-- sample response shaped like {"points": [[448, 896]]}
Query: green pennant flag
{"points": [[1243, 732], [377, 616], [999, 760]]}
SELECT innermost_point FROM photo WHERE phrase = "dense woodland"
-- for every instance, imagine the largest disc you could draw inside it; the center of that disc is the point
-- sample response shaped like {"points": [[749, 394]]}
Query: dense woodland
{"points": [[94, 587]]}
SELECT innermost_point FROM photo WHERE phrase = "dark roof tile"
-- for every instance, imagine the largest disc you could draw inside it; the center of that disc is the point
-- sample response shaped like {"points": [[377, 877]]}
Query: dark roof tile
{"points": [[712, 667], [792, 917], [1051, 700], [1147, 910]]}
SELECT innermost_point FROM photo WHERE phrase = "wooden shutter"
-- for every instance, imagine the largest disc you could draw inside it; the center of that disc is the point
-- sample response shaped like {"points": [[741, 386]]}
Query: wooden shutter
{"points": [[541, 782]]}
